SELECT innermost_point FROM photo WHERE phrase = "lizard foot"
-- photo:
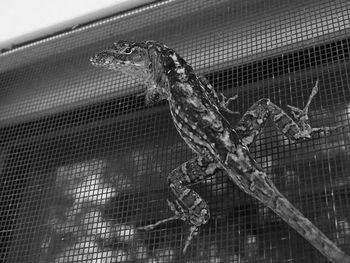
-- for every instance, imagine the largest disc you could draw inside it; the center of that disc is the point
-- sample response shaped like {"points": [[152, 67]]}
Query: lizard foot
{"points": [[302, 114], [191, 218]]}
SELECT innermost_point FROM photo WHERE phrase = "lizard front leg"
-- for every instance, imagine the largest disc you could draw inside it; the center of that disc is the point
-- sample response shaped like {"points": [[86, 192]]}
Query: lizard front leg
{"points": [[189, 206], [298, 129], [220, 100]]}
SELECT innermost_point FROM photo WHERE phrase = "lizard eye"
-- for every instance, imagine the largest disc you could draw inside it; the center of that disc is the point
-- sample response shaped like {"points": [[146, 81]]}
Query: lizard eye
{"points": [[127, 50]]}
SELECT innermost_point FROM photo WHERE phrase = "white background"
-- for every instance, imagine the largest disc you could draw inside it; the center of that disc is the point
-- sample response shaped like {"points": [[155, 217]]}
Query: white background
{"points": [[23, 20]]}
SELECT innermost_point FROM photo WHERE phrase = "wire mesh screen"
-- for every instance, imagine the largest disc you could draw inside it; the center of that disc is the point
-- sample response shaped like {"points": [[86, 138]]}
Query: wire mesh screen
{"points": [[84, 162]]}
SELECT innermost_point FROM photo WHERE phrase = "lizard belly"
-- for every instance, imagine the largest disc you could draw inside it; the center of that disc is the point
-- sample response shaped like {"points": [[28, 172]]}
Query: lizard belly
{"points": [[203, 128], [194, 138]]}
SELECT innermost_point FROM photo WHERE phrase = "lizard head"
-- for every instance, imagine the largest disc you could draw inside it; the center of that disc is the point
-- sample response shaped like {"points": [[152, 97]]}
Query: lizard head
{"points": [[133, 59], [127, 57]]}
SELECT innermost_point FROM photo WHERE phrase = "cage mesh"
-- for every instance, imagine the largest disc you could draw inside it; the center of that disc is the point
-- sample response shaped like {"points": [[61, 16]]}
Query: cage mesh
{"points": [[83, 161]]}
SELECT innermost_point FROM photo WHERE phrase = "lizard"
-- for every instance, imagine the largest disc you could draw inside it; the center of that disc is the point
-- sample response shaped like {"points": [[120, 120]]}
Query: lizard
{"points": [[197, 114]]}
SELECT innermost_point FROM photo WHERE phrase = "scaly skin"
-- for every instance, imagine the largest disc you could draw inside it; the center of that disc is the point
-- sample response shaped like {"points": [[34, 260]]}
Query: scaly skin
{"points": [[197, 110]]}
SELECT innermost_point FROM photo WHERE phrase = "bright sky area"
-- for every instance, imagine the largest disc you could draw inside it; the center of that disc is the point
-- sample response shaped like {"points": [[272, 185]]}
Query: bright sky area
{"points": [[20, 17]]}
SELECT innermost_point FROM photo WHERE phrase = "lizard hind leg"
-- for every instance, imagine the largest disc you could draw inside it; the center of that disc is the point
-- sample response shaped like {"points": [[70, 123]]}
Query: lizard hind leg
{"points": [[297, 129], [188, 206]]}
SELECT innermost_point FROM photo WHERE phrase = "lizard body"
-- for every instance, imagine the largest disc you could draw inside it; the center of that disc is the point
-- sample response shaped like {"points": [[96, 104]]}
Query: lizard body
{"points": [[196, 110]]}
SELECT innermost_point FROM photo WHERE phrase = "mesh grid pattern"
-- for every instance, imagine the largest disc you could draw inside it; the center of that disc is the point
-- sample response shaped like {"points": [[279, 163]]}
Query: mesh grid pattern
{"points": [[83, 161]]}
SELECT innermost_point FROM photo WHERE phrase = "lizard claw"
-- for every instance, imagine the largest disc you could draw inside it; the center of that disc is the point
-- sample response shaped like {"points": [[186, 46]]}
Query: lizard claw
{"points": [[153, 226], [179, 214], [225, 102], [327, 130], [296, 112], [193, 232], [302, 113]]}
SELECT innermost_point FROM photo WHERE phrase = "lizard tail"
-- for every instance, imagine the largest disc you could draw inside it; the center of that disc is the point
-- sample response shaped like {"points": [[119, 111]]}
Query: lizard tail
{"points": [[308, 230], [262, 188]]}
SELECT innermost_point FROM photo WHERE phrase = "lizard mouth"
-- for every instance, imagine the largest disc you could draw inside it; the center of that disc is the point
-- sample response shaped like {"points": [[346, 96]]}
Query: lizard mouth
{"points": [[101, 59], [107, 58], [110, 59]]}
